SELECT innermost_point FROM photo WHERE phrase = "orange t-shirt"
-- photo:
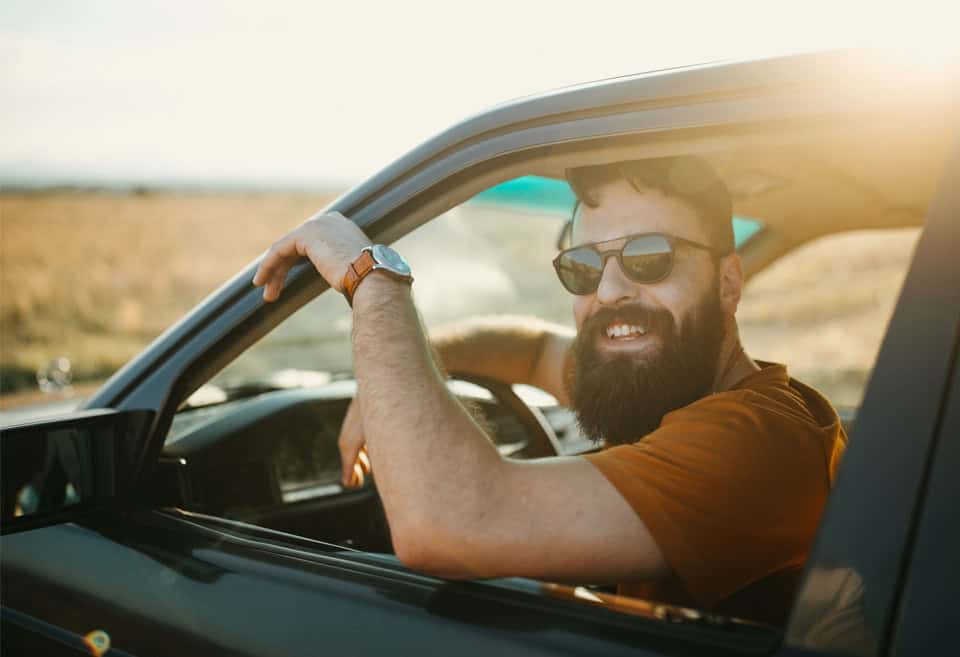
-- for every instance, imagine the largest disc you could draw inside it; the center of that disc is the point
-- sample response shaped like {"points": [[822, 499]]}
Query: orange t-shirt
{"points": [[731, 488]]}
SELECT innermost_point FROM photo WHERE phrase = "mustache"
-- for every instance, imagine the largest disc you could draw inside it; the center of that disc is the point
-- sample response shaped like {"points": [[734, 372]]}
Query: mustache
{"points": [[657, 320]]}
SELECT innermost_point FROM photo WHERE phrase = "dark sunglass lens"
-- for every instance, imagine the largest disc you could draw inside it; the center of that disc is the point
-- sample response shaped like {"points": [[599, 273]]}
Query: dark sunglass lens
{"points": [[647, 259], [579, 270]]}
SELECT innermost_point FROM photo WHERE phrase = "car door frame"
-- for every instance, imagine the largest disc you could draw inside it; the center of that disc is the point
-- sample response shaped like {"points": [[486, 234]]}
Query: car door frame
{"points": [[927, 613], [866, 536]]}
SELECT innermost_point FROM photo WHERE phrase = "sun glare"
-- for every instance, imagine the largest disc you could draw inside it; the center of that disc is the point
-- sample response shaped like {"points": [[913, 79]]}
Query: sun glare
{"points": [[308, 92]]}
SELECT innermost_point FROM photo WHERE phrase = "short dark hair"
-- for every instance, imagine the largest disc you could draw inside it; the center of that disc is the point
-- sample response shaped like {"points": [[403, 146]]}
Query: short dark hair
{"points": [[686, 177]]}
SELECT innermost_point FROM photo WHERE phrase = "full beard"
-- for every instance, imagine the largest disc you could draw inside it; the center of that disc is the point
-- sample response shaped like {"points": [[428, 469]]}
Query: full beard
{"points": [[619, 398]]}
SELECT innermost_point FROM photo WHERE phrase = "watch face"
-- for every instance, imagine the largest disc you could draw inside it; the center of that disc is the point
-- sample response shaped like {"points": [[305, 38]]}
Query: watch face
{"points": [[390, 259]]}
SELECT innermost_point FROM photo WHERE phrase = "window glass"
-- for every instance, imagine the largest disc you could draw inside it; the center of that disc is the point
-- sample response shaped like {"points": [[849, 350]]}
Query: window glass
{"points": [[823, 309]]}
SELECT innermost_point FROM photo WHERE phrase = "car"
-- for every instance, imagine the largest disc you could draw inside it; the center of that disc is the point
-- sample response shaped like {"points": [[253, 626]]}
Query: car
{"points": [[192, 504]]}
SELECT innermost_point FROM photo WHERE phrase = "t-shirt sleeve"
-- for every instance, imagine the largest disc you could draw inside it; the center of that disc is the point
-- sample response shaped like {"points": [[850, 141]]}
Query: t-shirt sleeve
{"points": [[729, 490]]}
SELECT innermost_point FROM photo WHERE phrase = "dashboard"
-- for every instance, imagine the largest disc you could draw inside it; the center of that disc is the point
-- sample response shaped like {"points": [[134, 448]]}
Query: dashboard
{"points": [[272, 459]]}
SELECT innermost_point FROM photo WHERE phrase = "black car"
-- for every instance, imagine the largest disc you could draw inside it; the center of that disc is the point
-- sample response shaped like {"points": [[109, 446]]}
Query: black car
{"points": [[193, 506]]}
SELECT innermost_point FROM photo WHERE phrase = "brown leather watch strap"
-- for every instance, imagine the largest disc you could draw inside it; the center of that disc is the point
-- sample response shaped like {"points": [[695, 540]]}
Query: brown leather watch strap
{"points": [[356, 272]]}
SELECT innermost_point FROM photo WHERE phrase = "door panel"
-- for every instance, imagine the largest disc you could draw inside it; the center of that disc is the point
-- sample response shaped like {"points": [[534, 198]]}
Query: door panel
{"points": [[855, 570], [929, 614]]}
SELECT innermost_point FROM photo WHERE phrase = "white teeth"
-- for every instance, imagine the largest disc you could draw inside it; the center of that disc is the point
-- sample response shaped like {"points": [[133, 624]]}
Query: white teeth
{"points": [[623, 330]]}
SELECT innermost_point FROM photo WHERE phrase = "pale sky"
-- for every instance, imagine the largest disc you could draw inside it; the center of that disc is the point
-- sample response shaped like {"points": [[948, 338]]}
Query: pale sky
{"points": [[281, 92]]}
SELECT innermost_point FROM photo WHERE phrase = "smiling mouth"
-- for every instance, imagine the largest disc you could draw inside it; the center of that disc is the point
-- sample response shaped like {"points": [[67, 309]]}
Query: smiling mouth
{"points": [[624, 332]]}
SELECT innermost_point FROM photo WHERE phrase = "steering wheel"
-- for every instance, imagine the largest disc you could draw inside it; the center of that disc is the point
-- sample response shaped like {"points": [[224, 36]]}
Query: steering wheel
{"points": [[543, 439]]}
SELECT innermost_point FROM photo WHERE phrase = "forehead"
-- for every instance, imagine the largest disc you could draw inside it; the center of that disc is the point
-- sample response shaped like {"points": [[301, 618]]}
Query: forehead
{"points": [[622, 210]]}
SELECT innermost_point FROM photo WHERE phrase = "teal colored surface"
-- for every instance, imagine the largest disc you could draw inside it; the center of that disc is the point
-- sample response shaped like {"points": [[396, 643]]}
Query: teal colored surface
{"points": [[555, 196], [533, 192], [744, 228]]}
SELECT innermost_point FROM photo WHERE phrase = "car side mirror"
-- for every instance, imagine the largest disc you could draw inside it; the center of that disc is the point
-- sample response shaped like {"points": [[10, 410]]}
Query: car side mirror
{"points": [[56, 470]]}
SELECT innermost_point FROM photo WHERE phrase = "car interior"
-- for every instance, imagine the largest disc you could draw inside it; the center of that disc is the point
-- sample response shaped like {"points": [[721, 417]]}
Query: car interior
{"points": [[267, 454]]}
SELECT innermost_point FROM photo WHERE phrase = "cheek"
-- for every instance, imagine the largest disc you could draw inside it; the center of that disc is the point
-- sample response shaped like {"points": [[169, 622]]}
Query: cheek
{"points": [[581, 309], [683, 293], [678, 299], [690, 310]]}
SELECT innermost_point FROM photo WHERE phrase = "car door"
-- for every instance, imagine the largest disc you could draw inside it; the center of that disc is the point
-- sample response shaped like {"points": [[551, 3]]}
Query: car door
{"points": [[927, 614], [882, 574], [56, 472]]}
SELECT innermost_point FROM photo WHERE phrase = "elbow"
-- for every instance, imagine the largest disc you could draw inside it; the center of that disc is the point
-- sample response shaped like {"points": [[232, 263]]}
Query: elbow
{"points": [[447, 538], [410, 547], [416, 556], [426, 550]]}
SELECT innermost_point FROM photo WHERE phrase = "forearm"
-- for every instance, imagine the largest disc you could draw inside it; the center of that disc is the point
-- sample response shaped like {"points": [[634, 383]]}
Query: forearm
{"points": [[508, 348], [432, 461], [455, 506]]}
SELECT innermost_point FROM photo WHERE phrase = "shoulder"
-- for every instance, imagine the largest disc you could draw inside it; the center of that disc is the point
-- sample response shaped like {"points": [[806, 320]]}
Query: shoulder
{"points": [[767, 397], [760, 432]]}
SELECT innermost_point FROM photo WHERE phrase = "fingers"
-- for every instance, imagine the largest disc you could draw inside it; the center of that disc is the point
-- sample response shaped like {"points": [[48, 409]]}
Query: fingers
{"points": [[350, 464], [353, 455], [278, 260], [361, 468], [281, 250], [363, 458], [331, 241], [272, 272], [356, 478], [271, 291]]}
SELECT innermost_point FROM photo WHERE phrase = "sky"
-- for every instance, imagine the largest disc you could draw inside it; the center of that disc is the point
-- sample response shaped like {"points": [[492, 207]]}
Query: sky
{"points": [[321, 94]]}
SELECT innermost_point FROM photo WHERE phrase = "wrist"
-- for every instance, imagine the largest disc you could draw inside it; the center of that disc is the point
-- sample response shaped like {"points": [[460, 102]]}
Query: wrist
{"points": [[379, 287], [375, 258]]}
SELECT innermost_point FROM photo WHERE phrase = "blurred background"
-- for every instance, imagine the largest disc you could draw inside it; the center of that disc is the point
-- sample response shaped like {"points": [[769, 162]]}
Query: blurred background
{"points": [[149, 150]]}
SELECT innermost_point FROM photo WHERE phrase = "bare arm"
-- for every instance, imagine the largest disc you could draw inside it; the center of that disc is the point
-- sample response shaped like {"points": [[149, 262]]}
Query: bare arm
{"points": [[507, 348], [456, 507]]}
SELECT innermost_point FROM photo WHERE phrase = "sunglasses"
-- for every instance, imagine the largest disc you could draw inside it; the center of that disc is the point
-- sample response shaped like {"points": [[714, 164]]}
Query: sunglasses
{"points": [[645, 258]]}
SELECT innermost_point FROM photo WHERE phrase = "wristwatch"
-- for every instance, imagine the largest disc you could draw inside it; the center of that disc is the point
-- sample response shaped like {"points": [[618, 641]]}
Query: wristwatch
{"points": [[375, 258]]}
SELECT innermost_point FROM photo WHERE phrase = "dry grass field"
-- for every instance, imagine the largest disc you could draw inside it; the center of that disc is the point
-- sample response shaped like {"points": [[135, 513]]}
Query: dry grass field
{"points": [[823, 309], [96, 275]]}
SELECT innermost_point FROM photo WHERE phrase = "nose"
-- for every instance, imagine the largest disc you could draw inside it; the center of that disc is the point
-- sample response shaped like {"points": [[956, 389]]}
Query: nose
{"points": [[614, 286]]}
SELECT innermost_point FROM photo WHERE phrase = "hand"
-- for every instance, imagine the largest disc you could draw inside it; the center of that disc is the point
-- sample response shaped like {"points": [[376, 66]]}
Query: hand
{"points": [[353, 450], [330, 241]]}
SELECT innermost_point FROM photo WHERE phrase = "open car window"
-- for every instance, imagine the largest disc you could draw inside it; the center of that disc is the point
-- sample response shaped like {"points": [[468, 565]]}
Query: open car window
{"points": [[259, 440], [490, 255], [821, 309]]}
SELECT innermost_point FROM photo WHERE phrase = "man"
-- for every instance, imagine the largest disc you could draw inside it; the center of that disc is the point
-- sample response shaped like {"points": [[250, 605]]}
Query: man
{"points": [[716, 469]]}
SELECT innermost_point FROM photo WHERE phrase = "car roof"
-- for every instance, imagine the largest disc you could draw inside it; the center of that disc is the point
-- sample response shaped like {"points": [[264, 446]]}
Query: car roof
{"points": [[839, 176]]}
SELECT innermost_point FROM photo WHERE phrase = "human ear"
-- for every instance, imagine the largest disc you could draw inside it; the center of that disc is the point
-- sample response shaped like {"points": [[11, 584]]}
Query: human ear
{"points": [[731, 283]]}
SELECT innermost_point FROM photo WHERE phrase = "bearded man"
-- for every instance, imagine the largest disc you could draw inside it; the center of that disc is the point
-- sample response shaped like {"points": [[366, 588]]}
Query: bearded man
{"points": [[715, 468]]}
